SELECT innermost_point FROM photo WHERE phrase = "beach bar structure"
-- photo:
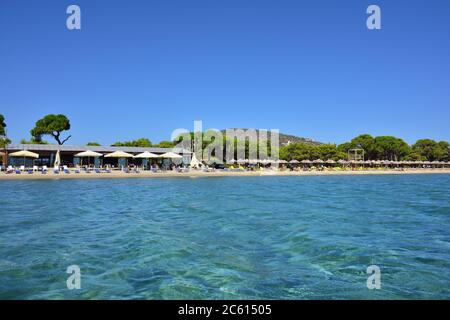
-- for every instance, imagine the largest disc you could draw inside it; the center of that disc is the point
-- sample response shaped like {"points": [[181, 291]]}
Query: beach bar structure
{"points": [[47, 154]]}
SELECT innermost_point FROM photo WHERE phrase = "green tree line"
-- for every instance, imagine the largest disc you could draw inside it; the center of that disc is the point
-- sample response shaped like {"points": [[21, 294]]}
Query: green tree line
{"points": [[375, 148]]}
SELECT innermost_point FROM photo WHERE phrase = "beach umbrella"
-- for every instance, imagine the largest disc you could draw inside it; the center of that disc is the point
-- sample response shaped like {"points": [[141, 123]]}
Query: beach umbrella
{"points": [[282, 161], [88, 154], [342, 161], [194, 162], [24, 154], [293, 161], [240, 161], [119, 154], [306, 161], [318, 161], [171, 155], [146, 155], [330, 161], [57, 159]]}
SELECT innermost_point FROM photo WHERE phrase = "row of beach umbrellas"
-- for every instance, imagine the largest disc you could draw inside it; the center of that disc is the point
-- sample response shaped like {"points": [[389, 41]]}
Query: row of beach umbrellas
{"points": [[331, 161], [92, 154], [122, 154]]}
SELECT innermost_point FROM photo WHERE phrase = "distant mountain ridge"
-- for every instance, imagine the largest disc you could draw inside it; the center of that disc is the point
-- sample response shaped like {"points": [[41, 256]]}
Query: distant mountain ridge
{"points": [[286, 139]]}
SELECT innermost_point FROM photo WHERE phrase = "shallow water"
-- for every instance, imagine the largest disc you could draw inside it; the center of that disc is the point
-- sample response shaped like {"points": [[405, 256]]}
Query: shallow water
{"points": [[309, 237]]}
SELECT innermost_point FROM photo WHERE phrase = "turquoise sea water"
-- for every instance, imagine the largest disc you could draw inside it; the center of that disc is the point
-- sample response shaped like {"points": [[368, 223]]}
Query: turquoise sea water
{"points": [[226, 238]]}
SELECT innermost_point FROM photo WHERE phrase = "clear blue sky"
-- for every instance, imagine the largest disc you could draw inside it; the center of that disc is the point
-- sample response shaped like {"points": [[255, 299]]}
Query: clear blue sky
{"points": [[310, 68]]}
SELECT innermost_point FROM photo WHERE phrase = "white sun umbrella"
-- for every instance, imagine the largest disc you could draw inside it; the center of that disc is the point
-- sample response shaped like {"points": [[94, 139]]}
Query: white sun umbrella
{"points": [[294, 161], [24, 154], [171, 155], [194, 162], [88, 154], [57, 159], [146, 155], [119, 155]]}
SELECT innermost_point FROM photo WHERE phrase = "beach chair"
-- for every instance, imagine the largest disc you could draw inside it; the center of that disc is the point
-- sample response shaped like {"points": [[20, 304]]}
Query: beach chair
{"points": [[22, 168], [18, 171], [126, 170], [97, 170], [56, 170], [44, 169], [35, 168], [10, 169]]}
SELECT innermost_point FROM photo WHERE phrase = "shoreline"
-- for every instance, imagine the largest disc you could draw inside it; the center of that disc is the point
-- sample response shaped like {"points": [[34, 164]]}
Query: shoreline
{"points": [[200, 174]]}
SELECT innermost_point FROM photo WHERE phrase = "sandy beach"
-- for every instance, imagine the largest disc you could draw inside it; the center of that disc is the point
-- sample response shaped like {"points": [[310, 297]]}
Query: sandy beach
{"points": [[201, 174]]}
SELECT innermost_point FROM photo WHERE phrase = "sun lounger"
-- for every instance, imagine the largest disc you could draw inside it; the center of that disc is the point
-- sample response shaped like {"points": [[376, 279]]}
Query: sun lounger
{"points": [[44, 169], [18, 171], [22, 168], [97, 170], [10, 169], [77, 171]]}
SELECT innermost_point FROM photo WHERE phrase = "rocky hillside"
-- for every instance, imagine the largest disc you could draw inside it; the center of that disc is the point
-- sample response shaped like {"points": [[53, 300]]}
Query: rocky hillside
{"points": [[286, 139]]}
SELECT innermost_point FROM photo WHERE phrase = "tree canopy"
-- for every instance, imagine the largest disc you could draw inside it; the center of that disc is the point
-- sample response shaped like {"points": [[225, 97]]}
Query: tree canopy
{"points": [[33, 141], [165, 144], [431, 150], [303, 151], [93, 144], [2, 125], [53, 125], [142, 142]]}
